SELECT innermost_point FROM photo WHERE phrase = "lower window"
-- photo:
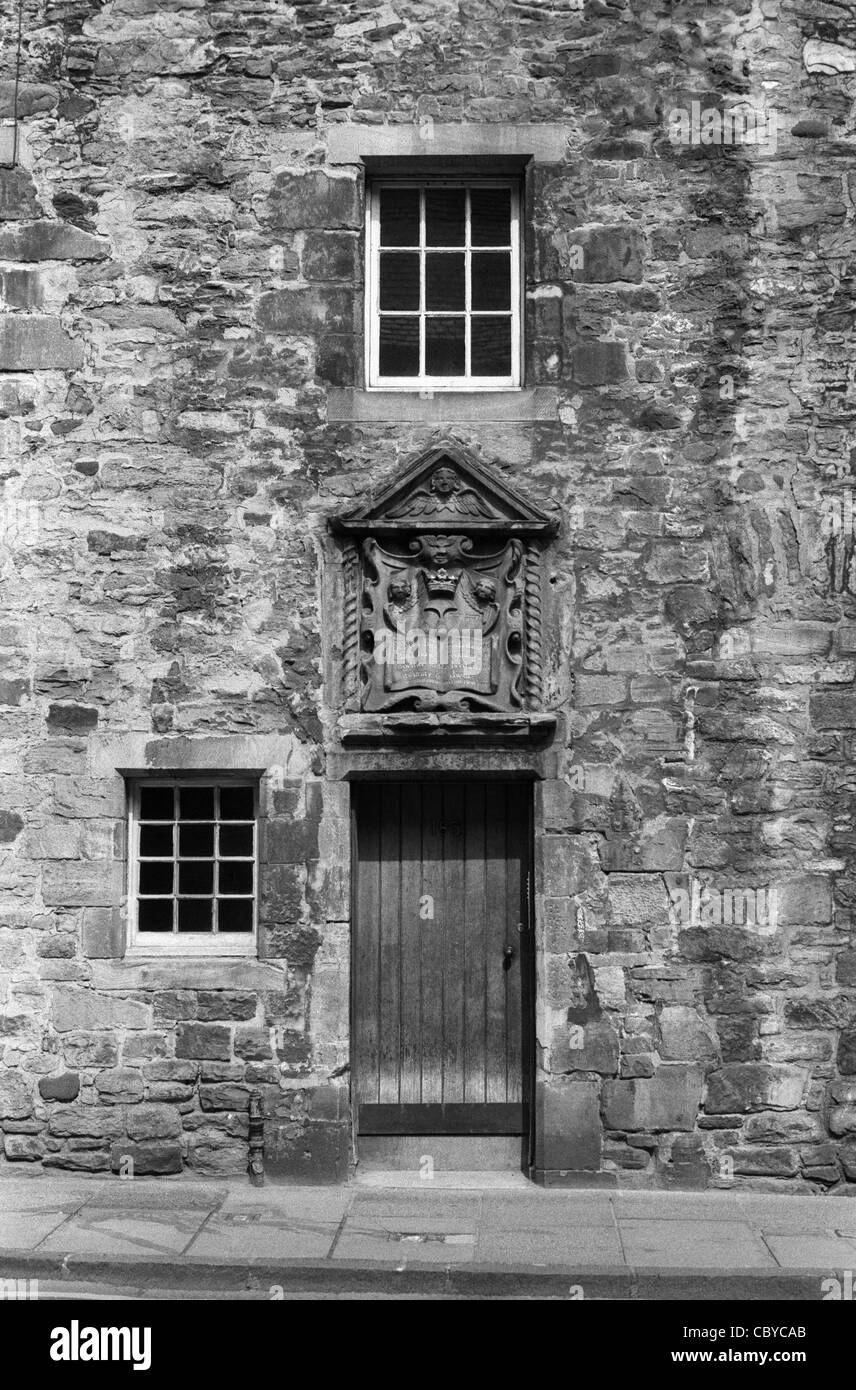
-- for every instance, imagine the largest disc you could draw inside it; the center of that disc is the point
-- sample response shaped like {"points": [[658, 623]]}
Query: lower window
{"points": [[194, 866]]}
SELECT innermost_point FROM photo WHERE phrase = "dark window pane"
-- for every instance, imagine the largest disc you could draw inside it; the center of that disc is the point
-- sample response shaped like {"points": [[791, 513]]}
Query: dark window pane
{"points": [[156, 839], [399, 347], [491, 347], [492, 280], [399, 217], [156, 803], [156, 878], [399, 280], [235, 878], [444, 282], [234, 914], [444, 347], [237, 803], [490, 214], [196, 841], [236, 839], [445, 210], [196, 878], [196, 803], [194, 914], [155, 914]]}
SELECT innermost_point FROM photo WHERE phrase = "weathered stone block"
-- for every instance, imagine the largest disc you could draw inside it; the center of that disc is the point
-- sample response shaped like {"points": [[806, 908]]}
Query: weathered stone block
{"points": [[669, 1100], [637, 899], [118, 1085], [765, 1163], [16, 1101], [84, 1009], [143, 1047], [299, 311], [611, 254], [211, 1041], [846, 1055], [23, 1148], [685, 1036], [86, 1121], [17, 194], [214, 1004], [92, 883], [153, 1122], [78, 1161], [33, 342], [51, 241], [568, 1129], [739, 1087], [103, 933], [64, 1087], [315, 200], [172, 1004], [842, 1119], [224, 1096], [253, 1044], [86, 1050], [599, 364], [593, 1047], [145, 1159]]}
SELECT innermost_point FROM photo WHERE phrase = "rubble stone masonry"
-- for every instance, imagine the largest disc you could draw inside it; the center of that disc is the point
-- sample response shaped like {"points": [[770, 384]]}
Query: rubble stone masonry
{"points": [[182, 410]]}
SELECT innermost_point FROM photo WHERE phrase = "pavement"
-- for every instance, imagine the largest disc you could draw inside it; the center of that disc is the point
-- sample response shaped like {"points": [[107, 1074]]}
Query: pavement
{"points": [[459, 1235]]}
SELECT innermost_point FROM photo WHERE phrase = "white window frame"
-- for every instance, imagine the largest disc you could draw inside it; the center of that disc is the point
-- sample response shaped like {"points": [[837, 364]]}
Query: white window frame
{"points": [[157, 945], [429, 384]]}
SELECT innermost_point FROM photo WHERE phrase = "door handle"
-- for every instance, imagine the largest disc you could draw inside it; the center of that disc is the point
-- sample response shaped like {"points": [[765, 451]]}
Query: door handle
{"points": [[507, 957]]}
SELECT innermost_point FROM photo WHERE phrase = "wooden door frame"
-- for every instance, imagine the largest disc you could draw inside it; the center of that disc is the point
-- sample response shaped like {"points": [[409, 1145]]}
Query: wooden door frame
{"points": [[528, 958]]}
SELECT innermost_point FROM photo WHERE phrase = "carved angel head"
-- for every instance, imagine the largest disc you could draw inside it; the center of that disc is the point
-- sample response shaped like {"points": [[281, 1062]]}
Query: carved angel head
{"points": [[444, 481]]}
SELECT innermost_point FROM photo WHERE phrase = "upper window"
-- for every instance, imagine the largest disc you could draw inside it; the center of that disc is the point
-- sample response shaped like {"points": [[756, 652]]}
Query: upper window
{"points": [[193, 866], [443, 285]]}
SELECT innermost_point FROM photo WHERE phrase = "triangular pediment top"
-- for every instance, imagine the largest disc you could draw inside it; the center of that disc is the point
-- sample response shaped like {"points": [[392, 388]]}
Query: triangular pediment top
{"points": [[445, 488]]}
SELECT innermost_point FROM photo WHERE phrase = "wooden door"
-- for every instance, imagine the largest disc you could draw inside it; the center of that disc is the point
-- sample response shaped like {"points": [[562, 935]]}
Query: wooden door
{"points": [[442, 968]]}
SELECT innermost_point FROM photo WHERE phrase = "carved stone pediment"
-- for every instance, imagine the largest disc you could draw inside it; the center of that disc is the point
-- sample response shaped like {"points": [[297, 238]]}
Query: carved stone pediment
{"points": [[443, 593], [447, 489]]}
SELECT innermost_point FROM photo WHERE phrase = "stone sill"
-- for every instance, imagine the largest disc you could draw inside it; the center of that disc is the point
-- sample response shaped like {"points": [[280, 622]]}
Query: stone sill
{"points": [[444, 407], [440, 727], [191, 972]]}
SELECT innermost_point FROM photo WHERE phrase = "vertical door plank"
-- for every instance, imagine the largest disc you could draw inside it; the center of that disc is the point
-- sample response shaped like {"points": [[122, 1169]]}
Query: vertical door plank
{"points": [[453, 962], [495, 939], [517, 830], [433, 935], [389, 971], [475, 960], [367, 941], [412, 928]]}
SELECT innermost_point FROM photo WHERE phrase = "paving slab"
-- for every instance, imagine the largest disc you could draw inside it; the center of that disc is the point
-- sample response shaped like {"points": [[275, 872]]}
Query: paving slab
{"points": [[545, 1213], [585, 1245], [26, 1230], [313, 1203], [284, 1240], [694, 1244], [98, 1231], [813, 1251], [457, 1204]]}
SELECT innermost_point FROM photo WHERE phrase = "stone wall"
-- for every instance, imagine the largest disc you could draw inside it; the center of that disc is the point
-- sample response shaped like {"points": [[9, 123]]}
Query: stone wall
{"points": [[180, 362]]}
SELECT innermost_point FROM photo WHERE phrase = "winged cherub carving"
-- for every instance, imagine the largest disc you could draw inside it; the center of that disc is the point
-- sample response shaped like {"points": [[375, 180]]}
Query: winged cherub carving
{"points": [[444, 494]]}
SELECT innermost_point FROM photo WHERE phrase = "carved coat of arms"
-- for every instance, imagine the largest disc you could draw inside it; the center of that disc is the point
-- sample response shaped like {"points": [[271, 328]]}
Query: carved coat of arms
{"points": [[447, 613]]}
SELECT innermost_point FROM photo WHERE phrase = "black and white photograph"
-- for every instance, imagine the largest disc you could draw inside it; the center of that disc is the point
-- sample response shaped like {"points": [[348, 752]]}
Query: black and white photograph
{"points": [[427, 671]]}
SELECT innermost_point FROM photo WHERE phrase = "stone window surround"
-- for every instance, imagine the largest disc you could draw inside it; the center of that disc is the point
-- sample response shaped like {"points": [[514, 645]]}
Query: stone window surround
{"points": [[150, 945], [359, 145], [124, 759]]}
